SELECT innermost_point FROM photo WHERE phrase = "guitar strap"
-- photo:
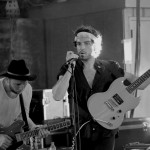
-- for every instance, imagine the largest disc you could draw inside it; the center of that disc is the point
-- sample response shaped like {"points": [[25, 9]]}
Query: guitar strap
{"points": [[26, 126]]}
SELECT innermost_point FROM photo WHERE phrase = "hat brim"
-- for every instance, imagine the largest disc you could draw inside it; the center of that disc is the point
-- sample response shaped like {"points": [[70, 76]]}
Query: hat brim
{"points": [[19, 77]]}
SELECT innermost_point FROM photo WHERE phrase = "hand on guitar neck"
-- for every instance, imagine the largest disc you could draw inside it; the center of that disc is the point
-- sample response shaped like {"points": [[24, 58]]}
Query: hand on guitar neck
{"points": [[11, 138], [7, 139], [42, 131]]}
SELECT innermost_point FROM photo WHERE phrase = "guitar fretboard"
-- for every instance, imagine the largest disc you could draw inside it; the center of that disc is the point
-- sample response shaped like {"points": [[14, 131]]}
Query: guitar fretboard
{"points": [[35, 133], [138, 82]]}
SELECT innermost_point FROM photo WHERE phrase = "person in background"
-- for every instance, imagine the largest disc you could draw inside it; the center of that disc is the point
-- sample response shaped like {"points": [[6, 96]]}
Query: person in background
{"points": [[91, 75], [13, 83]]}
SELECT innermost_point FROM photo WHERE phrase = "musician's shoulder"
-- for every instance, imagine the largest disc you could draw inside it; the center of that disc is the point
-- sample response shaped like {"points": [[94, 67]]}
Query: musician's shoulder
{"points": [[113, 62], [109, 62]]}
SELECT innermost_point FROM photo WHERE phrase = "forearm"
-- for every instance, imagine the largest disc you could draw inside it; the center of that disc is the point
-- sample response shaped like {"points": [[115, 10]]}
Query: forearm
{"points": [[30, 122], [32, 125], [60, 88]]}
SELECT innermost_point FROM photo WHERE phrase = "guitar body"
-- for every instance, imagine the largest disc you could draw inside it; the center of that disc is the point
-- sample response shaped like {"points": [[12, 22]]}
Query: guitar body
{"points": [[108, 108], [11, 131]]}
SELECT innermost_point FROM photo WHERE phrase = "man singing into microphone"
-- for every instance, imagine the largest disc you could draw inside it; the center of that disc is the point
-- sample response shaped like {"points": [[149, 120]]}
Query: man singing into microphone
{"points": [[91, 75]]}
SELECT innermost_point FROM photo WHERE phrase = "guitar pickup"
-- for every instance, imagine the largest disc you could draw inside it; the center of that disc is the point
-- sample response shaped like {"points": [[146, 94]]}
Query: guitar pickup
{"points": [[109, 106], [118, 99]]}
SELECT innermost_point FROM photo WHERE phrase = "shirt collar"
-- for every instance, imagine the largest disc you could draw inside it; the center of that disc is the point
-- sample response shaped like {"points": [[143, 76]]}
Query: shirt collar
{"points": [[98, 64]]}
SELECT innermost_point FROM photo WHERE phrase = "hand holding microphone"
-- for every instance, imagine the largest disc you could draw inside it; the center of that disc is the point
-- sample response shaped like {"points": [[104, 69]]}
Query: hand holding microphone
{"points": [[71, 57]]}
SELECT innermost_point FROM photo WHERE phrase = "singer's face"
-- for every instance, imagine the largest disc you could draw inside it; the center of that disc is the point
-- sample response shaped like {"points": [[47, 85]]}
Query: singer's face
{"points": [[84, 47]]}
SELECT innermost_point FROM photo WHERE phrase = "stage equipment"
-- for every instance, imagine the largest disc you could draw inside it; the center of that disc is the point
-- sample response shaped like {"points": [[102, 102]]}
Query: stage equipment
{"points": [[133, 130], [137, 146], [44, 107], [54, 109], [45, 110]]}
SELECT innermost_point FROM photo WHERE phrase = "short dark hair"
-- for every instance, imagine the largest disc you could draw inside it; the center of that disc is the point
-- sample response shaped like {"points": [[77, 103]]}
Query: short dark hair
{"points": [[89, 29], [93, 31], [84, 28]]}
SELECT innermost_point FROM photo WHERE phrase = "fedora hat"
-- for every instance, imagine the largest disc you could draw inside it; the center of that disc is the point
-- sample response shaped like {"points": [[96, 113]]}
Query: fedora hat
{"points": [[18, 70]]}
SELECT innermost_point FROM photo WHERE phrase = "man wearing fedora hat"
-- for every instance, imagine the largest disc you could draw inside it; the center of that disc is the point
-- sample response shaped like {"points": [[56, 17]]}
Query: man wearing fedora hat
{"points": [[15, 82]]}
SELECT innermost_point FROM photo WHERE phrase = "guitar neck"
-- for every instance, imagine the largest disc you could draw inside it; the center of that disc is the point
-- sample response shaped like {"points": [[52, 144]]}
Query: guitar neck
{"points": [[35, 133], [138, 82]]}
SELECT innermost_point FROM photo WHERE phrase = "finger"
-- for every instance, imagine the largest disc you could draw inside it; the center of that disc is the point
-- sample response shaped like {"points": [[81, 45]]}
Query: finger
{"points": [[70, 52], [44, 133], [2, 147], [5, 145], [71, 57], [8, 142], [8, 138], [42, 136], [40, 133]]}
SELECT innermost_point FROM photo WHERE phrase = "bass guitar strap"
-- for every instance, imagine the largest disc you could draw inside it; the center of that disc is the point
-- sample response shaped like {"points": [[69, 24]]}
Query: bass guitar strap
{"points": [[26, 126]]}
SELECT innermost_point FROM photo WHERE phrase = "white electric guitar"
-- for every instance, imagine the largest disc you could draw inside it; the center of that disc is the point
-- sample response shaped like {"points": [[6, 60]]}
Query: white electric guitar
{"points": [[108, 108]]}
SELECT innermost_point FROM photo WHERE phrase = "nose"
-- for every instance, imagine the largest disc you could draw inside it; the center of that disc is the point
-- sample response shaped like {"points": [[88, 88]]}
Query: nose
{"points": [[82, 46], [21, 86]]}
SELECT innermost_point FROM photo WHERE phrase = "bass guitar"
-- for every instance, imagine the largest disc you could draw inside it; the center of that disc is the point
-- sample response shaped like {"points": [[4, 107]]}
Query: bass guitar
{"points": [[14, 132], [108, 108]]}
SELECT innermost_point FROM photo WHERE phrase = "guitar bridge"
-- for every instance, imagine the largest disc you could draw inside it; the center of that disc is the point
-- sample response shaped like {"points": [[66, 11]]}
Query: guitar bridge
{"points": [[109, 106], [108, 123]]}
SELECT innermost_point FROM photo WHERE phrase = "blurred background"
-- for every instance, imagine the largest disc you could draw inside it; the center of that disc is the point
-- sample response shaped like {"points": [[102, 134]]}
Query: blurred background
{"points": [[41, 32]]}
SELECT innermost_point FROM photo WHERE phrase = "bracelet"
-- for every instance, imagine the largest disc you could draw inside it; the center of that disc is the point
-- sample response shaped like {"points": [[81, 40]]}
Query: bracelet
{"points": [[69, 71]]}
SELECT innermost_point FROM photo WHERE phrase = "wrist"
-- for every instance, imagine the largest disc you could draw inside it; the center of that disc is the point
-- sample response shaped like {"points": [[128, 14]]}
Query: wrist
{"points": [[69, 71]]}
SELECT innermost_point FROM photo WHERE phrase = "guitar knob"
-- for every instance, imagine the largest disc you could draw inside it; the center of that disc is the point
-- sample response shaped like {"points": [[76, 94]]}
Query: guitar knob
{"points": [[113, 118], [119, 111]]}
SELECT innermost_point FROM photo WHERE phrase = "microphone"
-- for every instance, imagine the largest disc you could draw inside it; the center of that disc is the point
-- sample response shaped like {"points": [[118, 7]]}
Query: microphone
{"points": [[70, 61]]}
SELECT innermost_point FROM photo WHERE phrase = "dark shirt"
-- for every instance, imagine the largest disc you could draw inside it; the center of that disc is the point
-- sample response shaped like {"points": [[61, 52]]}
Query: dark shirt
{"points": [[80, 91], [106, 73]]}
